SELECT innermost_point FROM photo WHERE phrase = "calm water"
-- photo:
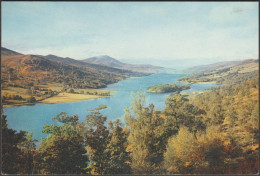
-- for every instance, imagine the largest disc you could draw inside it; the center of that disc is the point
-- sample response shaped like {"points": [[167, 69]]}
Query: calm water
{"points": [[32, 118]]}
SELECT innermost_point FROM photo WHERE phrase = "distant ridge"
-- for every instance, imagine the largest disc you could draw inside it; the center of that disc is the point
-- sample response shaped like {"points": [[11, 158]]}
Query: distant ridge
{"points": [[65, 60], [232, 72], [112, 62], [100, 62], [8, 52], [105, 60], [210, 67]]}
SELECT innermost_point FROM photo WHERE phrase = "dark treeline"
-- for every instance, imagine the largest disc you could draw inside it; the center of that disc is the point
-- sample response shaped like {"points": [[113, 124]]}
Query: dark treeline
{"points": [[213, 133]]}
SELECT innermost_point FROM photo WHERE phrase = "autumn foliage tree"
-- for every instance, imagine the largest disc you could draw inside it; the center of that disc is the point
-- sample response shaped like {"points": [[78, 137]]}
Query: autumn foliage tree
{"points": [[118, 161], [96, 136], [63, 151], [18, 149]]}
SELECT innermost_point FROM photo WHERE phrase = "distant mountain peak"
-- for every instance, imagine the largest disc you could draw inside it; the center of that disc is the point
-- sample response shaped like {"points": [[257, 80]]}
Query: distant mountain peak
{"points": [[103, 56], [112, 62], [105, 60], [51, 55]]}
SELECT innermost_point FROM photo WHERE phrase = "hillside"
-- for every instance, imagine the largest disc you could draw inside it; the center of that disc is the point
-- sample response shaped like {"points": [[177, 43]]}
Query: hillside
{"points": [[35, 75], [225, 73], [66, 60], [7, 52], [210, 67], [105, 60], [112, 62], [55, 68], [82, 64]]}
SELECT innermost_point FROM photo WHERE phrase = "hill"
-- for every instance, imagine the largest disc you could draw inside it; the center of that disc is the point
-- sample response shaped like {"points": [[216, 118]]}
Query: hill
{"points": [[82, 64], [210, 67], [70, 72], [112, 62], [24, 76], [7, 52], [225, 72], [65, 60], [105, 60]]}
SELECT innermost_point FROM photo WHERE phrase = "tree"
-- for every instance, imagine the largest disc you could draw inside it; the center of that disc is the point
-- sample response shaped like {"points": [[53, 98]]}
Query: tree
{"points": [[31, 100], [144, 136], [118, 158], [96, 135], [63, 151], [16, 151], [71, 91], [180, 112], [209, 153], [178, 157], [29, 154]]}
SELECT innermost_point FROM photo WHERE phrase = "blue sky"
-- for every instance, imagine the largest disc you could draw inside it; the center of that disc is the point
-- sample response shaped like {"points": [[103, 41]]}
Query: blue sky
{"points": [[164, 33]]}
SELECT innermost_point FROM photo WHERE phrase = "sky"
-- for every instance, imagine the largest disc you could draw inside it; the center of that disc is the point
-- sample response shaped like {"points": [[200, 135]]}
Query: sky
{"points": [[168, 34]]}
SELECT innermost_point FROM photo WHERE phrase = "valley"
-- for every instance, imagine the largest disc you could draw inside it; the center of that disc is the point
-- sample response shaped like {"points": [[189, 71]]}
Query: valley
{"points": [[129, 88], [201, 118]]}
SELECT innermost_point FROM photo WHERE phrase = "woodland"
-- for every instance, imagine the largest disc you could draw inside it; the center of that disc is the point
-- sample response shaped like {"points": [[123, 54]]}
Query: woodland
{"points": [[216, 132]]}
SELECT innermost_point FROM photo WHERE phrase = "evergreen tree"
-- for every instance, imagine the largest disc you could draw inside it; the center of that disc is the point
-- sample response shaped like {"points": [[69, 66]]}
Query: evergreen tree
{"points": [[180, 112], [29, 154]]}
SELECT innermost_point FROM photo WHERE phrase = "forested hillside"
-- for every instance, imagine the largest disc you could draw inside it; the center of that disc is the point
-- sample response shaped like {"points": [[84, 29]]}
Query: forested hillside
{"points": [[37, 70], [34, 75], [227, 73], [216, 132]]}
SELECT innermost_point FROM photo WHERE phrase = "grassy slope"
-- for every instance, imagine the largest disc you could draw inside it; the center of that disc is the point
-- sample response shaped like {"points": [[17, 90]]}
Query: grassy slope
{"points": [[69, 97], [60, 98]]}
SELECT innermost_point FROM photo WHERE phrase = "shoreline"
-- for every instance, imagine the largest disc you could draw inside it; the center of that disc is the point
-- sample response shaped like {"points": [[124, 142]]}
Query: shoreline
{"points": [[68, 98], [63, 97], [199, 82]]}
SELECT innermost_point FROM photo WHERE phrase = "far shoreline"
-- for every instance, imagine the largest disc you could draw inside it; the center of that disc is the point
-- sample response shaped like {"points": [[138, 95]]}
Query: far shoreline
{"points": [[63, 97]]}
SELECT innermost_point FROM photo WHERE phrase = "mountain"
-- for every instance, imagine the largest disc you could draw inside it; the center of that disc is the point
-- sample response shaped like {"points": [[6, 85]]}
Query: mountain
{"points": [[105, 60], [80, 63], [112, 62], [7, 52], [23, 70], [65, 60]]}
